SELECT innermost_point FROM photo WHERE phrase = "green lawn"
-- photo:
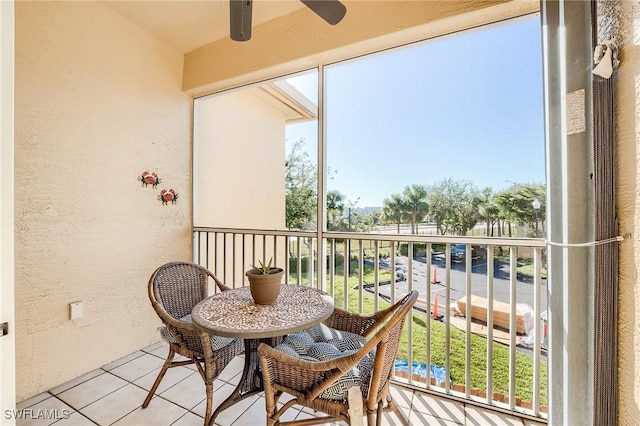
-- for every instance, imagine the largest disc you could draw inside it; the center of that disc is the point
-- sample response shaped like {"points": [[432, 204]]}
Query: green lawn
{"points": [[524, 363]]}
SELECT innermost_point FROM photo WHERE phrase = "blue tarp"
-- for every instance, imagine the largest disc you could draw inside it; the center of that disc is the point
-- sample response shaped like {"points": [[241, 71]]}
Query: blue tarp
{"points": [[437, 372]]}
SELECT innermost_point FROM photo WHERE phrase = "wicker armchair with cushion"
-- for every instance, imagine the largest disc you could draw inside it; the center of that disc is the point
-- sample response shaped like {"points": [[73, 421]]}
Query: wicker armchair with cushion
{"points": [[321, 367], [174, 289]]}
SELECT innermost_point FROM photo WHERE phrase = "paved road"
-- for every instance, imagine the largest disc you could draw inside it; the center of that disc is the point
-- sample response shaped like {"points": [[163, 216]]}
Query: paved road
{"points": [[501, 283]]}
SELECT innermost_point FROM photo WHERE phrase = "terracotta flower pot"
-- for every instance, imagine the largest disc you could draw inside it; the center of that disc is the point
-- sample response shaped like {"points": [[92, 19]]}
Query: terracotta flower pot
{"points": [[264, 288]]}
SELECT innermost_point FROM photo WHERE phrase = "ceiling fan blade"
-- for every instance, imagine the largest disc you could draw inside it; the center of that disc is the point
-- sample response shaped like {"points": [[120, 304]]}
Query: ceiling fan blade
{"points": [[331, 11], [240, 19]]}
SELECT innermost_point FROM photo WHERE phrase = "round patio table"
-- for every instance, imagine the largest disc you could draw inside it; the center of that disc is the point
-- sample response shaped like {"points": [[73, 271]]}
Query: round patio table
{"points": [[233, 313]]}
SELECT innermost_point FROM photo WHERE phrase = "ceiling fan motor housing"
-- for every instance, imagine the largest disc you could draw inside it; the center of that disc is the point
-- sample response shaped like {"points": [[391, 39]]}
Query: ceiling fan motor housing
{"points": [[332, 11]]}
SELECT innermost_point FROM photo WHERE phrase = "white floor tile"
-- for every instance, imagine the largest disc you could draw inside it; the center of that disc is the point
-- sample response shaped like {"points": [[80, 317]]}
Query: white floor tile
{"points": [[91, 390], [76, 381], [189, 419], [418, 418], [221, 391], [187, 393], [256, 414], [307, 415], [116, 405], [290, 414], [105, 398], [33, 400], [161, 351], [438, 407], [137, 367], [390, 418], [477, 416], [231, 414], [45, 412], [75, 419], [152, 347], [401, 396], [159, 412], [171, 377], [232, 370], [122, 360]]}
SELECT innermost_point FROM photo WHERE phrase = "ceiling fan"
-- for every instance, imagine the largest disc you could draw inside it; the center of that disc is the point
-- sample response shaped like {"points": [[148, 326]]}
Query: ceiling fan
{"points": [[332, 11]]}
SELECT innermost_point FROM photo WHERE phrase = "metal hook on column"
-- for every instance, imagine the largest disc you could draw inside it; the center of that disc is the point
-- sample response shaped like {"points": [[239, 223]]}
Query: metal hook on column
{"points": [[605, 56]]}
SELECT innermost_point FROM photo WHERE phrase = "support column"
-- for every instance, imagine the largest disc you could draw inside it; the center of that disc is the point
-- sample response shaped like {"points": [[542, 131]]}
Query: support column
{"points": [[568, 122]]}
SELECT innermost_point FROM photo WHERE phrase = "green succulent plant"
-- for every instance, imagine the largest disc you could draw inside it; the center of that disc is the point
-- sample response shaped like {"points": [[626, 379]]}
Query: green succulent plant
{"points": [[266, 269]]}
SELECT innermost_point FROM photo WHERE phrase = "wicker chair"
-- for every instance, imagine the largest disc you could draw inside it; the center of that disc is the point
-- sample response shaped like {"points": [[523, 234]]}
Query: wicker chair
{"points": [[174, 289], [308, 381]]}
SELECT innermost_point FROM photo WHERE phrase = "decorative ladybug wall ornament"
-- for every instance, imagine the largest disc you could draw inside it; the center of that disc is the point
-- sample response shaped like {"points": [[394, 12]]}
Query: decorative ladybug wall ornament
{"points": [[149, 179], [168, 195]]}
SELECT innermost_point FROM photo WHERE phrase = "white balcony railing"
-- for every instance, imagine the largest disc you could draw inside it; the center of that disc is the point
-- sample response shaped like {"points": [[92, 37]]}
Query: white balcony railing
{"points": [[474, 327]]}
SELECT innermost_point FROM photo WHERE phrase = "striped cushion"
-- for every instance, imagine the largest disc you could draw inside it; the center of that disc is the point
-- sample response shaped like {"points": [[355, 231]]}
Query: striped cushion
{"points": [[323, 351], [342, 340], [300, 342], [217, 342], [322, 343], [284, 348], [339, 391]]}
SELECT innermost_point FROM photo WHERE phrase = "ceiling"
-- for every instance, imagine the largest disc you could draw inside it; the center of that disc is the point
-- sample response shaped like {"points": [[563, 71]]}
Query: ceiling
{"points": [[187, 24]]}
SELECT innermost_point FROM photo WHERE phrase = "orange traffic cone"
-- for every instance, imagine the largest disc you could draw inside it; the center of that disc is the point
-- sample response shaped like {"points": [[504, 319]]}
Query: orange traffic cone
{"points": [[434, 279], [435, 306]]}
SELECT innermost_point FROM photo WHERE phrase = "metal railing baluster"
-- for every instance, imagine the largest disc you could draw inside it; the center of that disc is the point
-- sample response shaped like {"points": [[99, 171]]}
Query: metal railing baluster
{"points": [[360, 275], [409, 322], [468, 315], [513, 263], [428, 315], [538, 333], [490, 272], [228, 253], [376, 274], [447, 318]]}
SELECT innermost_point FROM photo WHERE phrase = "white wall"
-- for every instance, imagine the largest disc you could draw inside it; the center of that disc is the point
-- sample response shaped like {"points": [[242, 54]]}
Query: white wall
{"points": [[97, 102], [240, 143]]}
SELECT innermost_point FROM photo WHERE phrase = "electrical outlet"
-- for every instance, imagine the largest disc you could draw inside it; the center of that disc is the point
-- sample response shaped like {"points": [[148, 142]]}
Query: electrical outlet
{"points": [[75, 309]]}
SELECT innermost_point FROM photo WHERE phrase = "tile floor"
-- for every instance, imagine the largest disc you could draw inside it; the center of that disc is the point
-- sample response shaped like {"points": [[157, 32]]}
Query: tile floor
{"points": [[113, 394]]}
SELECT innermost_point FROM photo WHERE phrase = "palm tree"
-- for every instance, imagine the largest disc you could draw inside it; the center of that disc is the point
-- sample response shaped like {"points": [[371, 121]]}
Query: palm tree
{"points": [[416, 206], [335, 208], [488, 210], [393, 209]]}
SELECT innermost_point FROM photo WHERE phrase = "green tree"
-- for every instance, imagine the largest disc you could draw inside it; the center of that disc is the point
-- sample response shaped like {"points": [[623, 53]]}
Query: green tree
{"points": [[361, 220], [415, 204], [372, 219], [454, 206], [392, 210], [438, 196], [300, 189], [516, 205], [467, 211]]}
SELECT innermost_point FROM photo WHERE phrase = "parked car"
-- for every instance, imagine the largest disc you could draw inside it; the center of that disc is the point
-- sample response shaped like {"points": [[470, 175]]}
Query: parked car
{"points": [[459, 252]]}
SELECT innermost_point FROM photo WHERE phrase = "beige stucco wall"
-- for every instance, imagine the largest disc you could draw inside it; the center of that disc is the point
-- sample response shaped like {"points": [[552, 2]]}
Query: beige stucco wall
{"points": [[97, 102], [300, 40], [620, 19], [240, 157]]}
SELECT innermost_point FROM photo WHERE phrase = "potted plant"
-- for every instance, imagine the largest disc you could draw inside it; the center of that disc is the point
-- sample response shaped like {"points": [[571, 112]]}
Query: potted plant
{"points": [[265, 282]]}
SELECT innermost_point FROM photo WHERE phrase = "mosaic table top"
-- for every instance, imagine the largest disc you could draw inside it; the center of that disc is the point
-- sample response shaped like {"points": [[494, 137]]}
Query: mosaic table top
{"points": [[233, 313]]}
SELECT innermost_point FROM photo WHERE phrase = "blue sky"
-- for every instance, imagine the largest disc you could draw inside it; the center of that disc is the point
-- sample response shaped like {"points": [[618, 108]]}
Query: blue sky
{"points": [[467, 106]]}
